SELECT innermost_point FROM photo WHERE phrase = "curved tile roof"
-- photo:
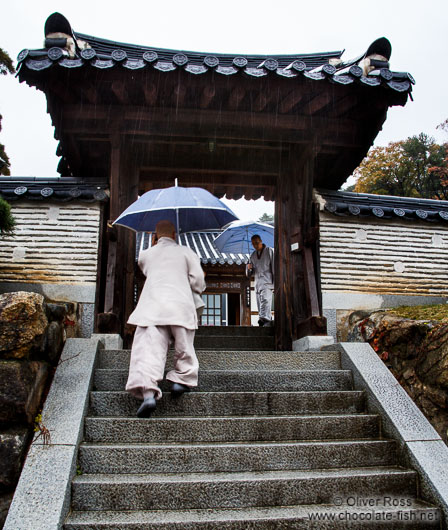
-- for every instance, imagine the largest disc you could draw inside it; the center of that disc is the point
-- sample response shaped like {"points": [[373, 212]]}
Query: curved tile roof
{"points": [[105, 54], [346, 203], [202, 244], [58, 189]]}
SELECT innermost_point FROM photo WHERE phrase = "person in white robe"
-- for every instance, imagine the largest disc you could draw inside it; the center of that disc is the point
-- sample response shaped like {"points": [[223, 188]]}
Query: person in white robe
{"points": [[261, 264], [166, 311]]}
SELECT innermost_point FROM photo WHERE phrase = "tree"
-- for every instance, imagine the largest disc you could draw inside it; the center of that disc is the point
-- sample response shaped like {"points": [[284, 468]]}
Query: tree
{"points": [[415, 167], [7, 222], [441, 172], [6, 67], [266, 218]]}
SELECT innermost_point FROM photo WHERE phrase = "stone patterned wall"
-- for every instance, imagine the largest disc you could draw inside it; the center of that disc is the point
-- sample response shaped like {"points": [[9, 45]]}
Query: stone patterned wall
{"points": [[388, 257], [53, 243]]}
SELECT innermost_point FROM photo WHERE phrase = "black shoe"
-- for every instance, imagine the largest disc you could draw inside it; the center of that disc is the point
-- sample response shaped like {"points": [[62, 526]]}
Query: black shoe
{"points": [[261, 322], [178, 389], [148, 405]]}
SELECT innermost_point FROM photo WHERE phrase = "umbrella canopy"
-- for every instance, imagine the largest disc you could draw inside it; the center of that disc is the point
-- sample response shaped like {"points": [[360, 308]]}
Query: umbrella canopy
{"points": [[236, 238], [187, 208]]}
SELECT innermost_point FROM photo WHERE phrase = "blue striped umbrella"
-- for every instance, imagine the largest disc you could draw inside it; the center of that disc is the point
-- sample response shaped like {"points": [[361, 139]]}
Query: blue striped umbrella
{"points": [[187, 208], [236, 238]]}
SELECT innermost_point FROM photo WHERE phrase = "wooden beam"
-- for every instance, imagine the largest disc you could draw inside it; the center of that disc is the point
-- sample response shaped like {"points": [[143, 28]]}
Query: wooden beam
{"points": [[261, 101], [207, 96], [231, 176], [119, 89], [283, 307], [110, 277], [75, 156], [179, 93], [343, 105], [150, 92], [225, 123], [291, 100], [114, 183], [235, 98], [63, 91], [317, 103], [310, 283], [89, 94]]}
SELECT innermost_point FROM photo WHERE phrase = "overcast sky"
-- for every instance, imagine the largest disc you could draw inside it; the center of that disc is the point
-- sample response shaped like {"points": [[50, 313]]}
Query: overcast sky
{"points": [[417, 31]]}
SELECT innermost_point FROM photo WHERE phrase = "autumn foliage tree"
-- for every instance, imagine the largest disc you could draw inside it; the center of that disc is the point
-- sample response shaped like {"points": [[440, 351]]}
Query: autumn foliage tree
{"points": [[416, 167], [6, 67], [7, 222]]}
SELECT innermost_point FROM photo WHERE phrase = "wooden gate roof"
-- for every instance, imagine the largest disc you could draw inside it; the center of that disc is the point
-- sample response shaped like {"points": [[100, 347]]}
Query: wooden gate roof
{"points": [[219, 121]]}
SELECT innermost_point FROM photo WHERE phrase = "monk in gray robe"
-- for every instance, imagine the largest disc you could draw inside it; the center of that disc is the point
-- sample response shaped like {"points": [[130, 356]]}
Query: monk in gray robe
{"points": [[165, 312], [261, 264]]}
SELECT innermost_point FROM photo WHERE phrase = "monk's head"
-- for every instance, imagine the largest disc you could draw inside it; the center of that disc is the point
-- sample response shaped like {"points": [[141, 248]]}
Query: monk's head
{"points": [[257, 243], [165, 229]]}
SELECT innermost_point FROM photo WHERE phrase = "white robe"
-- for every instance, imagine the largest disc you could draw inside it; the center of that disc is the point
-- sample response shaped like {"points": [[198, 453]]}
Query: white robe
{"points": [[172, 273]]}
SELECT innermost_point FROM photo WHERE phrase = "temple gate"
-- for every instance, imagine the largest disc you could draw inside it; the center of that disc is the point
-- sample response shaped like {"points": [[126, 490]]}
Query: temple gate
{"points": [[247, 126]]}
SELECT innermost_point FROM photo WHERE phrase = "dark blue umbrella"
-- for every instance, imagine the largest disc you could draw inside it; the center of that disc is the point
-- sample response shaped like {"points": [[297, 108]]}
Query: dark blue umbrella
{"points": [[236, 238], [187, 208]]}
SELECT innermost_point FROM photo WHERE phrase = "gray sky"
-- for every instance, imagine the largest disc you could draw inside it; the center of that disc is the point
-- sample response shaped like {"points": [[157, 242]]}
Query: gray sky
{"points": [[416, 29]]}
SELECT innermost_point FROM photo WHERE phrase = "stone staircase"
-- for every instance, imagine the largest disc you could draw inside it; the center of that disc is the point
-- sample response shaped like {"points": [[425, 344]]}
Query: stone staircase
{"points": [[268, 440]]}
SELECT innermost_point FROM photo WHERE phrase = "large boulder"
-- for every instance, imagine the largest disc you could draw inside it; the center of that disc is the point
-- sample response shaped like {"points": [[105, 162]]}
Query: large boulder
{"points": [[23, 322], [5, 502], [12, 451], [21, 386], [416, 352]]}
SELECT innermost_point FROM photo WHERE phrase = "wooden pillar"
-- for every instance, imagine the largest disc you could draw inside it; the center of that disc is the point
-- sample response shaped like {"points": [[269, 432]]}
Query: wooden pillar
{"points": [[120, 272], [282, 260], [297, 289]]}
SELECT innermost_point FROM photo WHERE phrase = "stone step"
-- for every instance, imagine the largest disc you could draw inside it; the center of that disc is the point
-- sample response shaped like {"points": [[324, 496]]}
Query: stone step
{"points": [[243, 360], [234, 457], [233, 342], [301, 517], [241, 380], [122, 403], [237, 490], [231, 429], [235, 331]]}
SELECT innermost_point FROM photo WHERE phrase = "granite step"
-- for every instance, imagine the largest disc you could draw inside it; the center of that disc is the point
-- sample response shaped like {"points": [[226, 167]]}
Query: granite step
{"points": [[234, 342], [237, 490], [235, 331], [417, 514], [231, 428], [238, 360], [121, 403], [242, 380], [234, 457]]}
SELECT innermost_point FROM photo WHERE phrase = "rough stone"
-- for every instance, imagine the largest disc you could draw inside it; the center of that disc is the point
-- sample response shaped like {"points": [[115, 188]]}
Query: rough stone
{"points": [[401, 419], [21, 386], [5, 502], [433, 366], [56, 311], [12, 448], [416, 353], [54, 341], [22, 324], [312, 343]]}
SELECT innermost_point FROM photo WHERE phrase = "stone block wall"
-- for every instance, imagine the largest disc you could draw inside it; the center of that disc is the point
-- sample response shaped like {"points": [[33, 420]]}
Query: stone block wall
{"points": [[32, 335]]}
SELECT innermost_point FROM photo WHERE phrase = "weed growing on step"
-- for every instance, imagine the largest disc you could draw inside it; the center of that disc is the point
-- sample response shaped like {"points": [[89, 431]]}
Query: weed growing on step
{"points": [[43, 431]]}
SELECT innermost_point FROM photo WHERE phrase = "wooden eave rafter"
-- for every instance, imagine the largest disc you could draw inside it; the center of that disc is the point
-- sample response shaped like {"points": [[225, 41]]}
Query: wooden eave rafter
{"points": [[215, 113]]}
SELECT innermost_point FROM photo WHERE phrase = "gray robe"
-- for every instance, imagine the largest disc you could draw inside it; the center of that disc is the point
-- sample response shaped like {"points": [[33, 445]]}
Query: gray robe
{"points": [[263, 269]]}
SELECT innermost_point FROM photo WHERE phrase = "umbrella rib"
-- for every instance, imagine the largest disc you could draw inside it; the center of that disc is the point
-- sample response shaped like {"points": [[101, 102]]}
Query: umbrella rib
{"points": [[170, 208]]}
